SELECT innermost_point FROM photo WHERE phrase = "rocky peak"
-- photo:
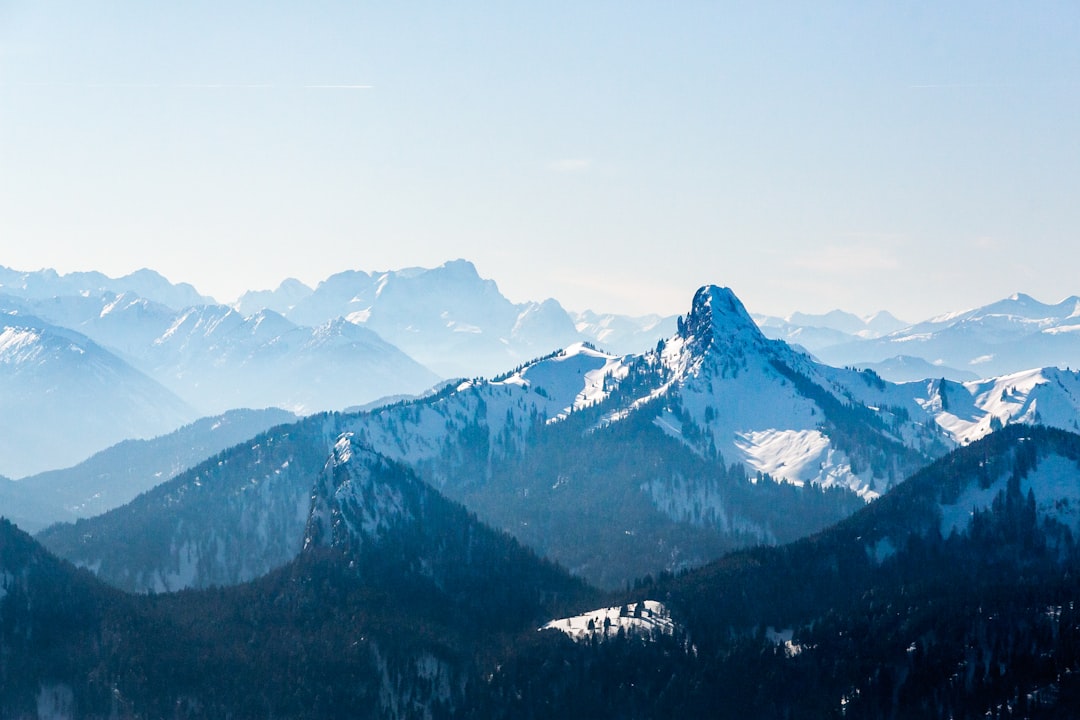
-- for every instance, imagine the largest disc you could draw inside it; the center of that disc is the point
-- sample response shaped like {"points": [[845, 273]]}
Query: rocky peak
{"points": [[718, 319]]}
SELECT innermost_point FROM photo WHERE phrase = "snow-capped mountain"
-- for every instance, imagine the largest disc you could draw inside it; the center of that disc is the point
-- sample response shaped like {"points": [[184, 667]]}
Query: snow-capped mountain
{"points": [[622, 334], [118, 474], [615, 466], [281, 300], [448, 318], [1007, 336], [222, 359], [217, 359], [619, 466], [718, 392], [45, 284], [814, 332], [64, 397]]}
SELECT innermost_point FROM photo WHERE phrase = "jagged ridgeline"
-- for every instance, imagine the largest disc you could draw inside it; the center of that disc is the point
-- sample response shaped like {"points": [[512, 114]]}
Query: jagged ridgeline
{"points": [[954, 595], [392, 607], [616, 467]]}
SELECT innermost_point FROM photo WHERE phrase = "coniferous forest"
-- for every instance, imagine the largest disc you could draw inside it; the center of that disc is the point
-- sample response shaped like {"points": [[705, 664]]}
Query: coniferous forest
{"points": [[880, 616]]}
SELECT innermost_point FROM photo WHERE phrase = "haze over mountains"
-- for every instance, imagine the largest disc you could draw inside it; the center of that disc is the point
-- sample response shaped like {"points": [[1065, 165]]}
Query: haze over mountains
{"points": [[615, 466], [399, 560], [360, 336]]}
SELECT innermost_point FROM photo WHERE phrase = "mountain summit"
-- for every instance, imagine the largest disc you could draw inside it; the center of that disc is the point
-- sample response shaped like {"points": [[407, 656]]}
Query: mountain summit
{"points": [[718, 318]]}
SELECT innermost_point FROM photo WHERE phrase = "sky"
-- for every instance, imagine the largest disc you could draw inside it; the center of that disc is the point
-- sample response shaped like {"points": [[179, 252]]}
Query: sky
{"points": [[914, 157]]}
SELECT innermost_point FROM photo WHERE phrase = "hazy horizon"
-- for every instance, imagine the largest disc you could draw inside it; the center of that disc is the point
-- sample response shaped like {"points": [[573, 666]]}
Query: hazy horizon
{"points": [[615, 156]]}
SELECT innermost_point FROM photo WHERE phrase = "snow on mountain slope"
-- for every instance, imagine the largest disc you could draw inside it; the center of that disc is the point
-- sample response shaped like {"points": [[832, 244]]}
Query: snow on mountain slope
{"points": [[45, 284], [572, 379], [718, 385], [965, 412], [1031, 473], [623, 334], [641, 620], [731, 390], [507, 407], [1007, 336], [352, 502], [448, 318], [282, 300], [1054, 482], [1046, 396], [837, 327], [63, 397], [217, 359]]}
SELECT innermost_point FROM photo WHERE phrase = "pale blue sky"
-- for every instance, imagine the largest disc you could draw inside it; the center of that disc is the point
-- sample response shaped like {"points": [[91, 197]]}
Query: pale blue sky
{"points": [[615, 155]]}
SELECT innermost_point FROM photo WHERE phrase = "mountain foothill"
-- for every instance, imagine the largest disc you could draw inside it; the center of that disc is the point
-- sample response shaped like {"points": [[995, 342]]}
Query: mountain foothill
{"points": [[448, 505]]}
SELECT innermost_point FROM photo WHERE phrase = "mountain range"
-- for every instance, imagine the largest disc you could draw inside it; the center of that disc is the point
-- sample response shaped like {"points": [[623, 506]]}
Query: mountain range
{"points": [[1013, 334], [355, 338], [949, 596], [711, 523], [63, 396], [616, 467]]}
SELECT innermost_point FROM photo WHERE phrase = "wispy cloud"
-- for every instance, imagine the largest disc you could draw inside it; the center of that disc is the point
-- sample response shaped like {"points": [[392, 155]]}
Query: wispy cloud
{"points": [[845, 259], [571, 165]]}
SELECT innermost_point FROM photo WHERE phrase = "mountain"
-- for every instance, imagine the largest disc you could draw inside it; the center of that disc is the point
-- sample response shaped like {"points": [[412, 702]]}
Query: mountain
{"points": [[876, 325], [45, 284], [1007, 336], [836, 327], [281, 300], [614, 466], [622, 334], [118, 474], [232, 518], [222, 360], [951, 596], [64, 397], [387, 522], [389, 610], [448, 318], [907, 368], [618, 467], [218, 359]]}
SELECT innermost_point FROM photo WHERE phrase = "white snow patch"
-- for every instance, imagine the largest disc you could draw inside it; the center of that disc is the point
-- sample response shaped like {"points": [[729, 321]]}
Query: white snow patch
{"points": [[1055, 483], [571, 380], [1061, 329], [800, 457], [19, 345], [343, 449], [1048, 396], [652, 618], [359, 317], [784, 638]]}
